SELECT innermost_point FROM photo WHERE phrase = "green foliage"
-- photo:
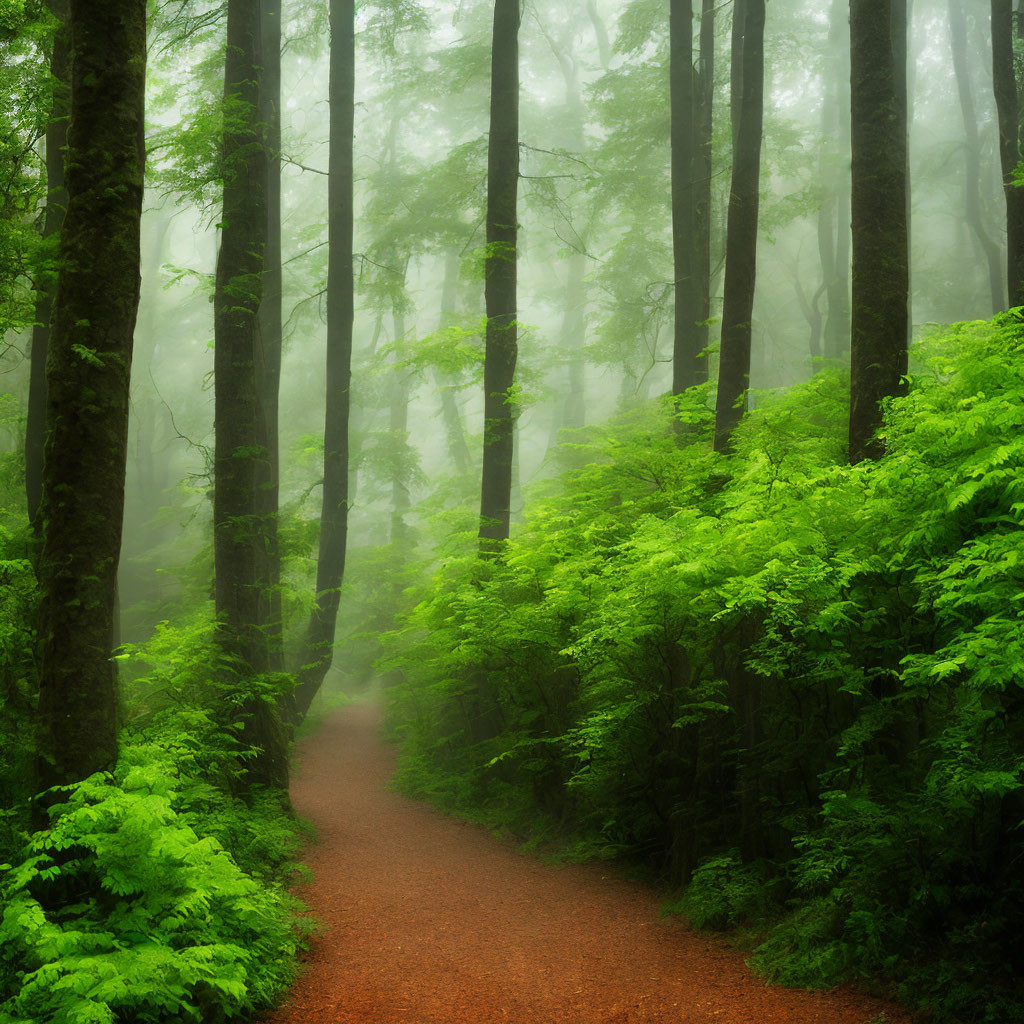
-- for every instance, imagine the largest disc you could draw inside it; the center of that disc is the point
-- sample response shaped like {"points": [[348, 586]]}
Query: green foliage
{"points": [[131, 904], [792, 683], [724, 892], [157, 893]]}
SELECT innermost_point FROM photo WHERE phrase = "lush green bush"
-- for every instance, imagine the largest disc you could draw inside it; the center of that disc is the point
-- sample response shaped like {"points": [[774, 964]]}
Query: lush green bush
{"points": [[157, 894], [815, 665]]}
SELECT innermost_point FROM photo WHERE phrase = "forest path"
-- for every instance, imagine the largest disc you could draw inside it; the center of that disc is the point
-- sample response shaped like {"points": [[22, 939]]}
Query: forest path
{"points": [[431, 920]]}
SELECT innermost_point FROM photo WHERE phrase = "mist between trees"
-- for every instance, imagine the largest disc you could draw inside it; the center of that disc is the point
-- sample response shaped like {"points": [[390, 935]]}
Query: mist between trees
{"points": [[633, 388]]}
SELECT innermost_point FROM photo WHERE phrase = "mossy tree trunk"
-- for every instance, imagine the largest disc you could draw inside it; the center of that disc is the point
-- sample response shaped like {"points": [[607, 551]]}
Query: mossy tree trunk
{"points": [[741, 232], [53, 216], [340, 316], [500, 280], [88, 373], [240, 456], [879, 210]]}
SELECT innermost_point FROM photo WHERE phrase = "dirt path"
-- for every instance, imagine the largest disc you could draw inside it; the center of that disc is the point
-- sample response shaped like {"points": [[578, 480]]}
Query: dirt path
{"points": [[434, 921]]}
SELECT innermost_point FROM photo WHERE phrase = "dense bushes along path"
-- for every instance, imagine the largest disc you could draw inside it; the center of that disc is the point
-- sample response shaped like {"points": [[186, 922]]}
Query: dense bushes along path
{"points": [[434, 921]]}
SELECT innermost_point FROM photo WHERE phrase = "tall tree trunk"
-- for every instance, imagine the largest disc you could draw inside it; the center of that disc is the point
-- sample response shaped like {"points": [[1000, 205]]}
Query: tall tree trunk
{"points": [[500, 279], [56, 201], [879, 208], [900, 15], [239, 522], [703, 172], [689, 367], [1008, 108], [457, 447], [741, 236], [330, 568], [972, 153], [271, 329], [88, 375]]}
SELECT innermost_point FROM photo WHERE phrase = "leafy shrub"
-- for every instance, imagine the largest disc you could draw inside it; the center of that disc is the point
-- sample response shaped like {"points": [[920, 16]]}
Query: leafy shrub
{"points": [[769, 663], [724, 892], [132, 907]]}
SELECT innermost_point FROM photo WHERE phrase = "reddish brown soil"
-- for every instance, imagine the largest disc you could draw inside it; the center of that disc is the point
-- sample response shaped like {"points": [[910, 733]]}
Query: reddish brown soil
{"points": [[433, 921]]}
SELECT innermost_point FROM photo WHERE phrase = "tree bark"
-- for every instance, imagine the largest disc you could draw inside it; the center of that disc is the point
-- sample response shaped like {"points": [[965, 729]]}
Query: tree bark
{"points": [[703, 172], [689, 367], [879, 209], [340, 317], [741, 237], [240, 457], [501, 348], [88, 375], [1008, 108], [53, 216], [271, 329]]}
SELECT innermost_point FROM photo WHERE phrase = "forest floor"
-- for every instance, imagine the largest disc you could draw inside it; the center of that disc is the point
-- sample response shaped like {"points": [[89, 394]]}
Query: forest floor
{"points": [[430, 920]]}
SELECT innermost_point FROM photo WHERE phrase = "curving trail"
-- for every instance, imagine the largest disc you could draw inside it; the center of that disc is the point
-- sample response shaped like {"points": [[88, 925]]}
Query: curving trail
{"points": [[433, 921]]}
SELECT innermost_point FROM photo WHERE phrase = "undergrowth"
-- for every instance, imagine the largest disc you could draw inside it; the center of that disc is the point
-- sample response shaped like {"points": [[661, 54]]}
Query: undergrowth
{"points": [[790, 686], [158, 893]]}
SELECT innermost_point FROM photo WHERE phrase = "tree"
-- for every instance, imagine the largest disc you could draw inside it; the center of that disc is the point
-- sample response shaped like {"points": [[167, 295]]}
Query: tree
{"points": [[879, 212], [53, 215], [87, 375], [689, 367], [741, 236], [1008, 109], [703, 171], [239, 453], [340, 316], [501, 347], [271, 325]]}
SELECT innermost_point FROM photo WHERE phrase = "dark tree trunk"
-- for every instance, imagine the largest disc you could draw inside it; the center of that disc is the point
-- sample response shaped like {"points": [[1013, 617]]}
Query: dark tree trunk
{"points": [[879, 208], [340, 314], [741, 235], [1009, 112], [500, 279], [457, 447], [972, 153], [88, 375], [56, 201], [239, 520], [689, 367], [703, 171], [900, 16], [270, 328]]}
